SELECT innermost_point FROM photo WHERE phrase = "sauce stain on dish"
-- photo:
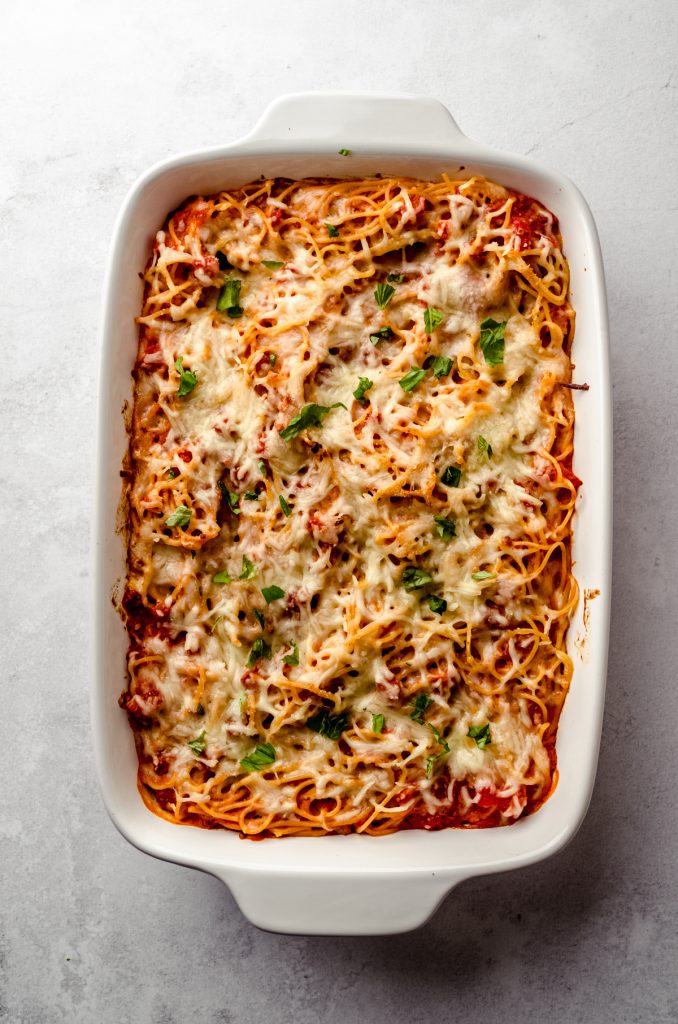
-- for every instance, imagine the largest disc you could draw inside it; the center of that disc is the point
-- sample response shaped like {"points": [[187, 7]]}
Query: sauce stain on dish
{"points": [[582, 640]]}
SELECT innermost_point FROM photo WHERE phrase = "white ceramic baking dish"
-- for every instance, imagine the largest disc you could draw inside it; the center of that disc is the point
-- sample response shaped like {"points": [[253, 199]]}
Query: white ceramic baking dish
{"points": [[355, 884]]}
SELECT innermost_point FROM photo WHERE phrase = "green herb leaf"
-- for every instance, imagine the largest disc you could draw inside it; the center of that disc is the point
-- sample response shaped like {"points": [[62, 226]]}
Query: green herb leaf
{"points": [[293, 658], [481, 734], [251, 496], [273, 264], [229, 298], [222, 260], [483, 575], [259, 649], [310, 416], [439, 739], [328, 725], [172, 472], [364, 384], [259, 616], [414, 578], [285, 507], [198, 744], [222, 577], [419, 706], [187, 379], [430, 761], [332, 230], [230, 497], [383, 294], [437, 604], [412, 378], [262, 467], [432, 318], [484, 446], [180, 517], [492, 341], [378, 723], [451, 476], [396, 278], [447, 528], [383, 334], [263, 756], [441, 365], [249, 569], [344, 152], [273, 593]]}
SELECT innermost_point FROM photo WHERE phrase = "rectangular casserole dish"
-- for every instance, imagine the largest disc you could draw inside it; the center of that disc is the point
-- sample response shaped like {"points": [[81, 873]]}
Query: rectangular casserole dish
{"points": [[355, 884]]}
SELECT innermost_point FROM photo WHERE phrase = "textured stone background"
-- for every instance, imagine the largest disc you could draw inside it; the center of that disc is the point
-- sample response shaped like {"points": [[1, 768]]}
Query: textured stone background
{"points": [[92, 930]]}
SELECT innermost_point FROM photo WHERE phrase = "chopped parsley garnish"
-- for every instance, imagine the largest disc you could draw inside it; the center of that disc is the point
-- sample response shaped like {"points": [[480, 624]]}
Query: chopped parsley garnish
{"points": [[180, 517], [261, 757], [273, 593], [364, 384], [251, 496], [262, 467], [272, 359], [230, 497], [412, 378], [332, 230], [432, 318], [259, 616], [396, 278], [430, 761], [273, 264], [447, 528], [441, 365], [344, 152], [414, 578], [198, 744], [187, 379], [378, 723], [222, 577], [172, 472], [451, 476], [481, 734], [484, 446], [249, 569], [383, 294], [259, 649], [229, 298], [285, 506], [383, 334], [439, 739], [328, 725], [483, 575], [310, 416], [437, 604], [293, 658], [419, 706], [492, 341]]}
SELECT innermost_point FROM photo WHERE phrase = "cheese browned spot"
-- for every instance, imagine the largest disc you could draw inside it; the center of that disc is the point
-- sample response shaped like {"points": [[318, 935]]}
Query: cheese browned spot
{"points": [[362, 487]]}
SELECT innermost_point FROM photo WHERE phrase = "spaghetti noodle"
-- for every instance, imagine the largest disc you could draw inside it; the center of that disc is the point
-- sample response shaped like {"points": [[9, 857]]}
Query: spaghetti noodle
{"points": [[350, 497]]}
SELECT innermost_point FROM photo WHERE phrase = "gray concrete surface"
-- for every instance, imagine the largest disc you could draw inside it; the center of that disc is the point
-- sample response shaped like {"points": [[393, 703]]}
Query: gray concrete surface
{"points": [[92, 930]]}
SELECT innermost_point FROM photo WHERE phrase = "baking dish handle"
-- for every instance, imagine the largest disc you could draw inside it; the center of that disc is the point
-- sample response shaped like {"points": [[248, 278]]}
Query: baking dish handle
{"points": [[302, 904], [361, 121]]}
